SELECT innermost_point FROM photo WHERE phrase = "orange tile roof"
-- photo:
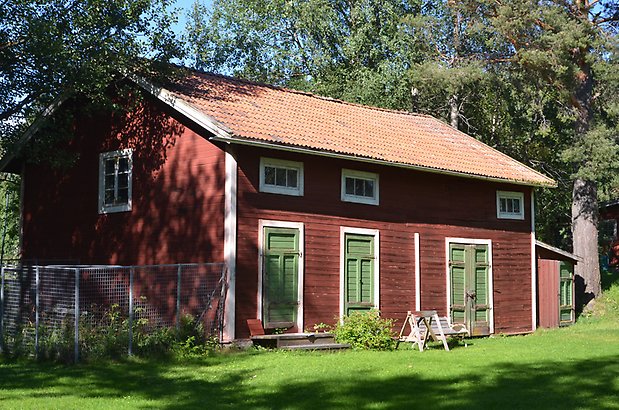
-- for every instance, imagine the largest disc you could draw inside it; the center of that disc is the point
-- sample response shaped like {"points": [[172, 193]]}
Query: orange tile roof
{"points": [[262, 113]]}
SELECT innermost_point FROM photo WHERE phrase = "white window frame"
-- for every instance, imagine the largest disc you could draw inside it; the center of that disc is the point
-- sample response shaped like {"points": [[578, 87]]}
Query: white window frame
{"points": [[509, 195], [359, 231], [470, 241], [103, 208], [350, 173], [281, 163], [263, 223]]}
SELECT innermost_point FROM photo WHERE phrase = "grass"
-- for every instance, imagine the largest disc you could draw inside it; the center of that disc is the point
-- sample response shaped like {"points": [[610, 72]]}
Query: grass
{"points": [[575, 367]]}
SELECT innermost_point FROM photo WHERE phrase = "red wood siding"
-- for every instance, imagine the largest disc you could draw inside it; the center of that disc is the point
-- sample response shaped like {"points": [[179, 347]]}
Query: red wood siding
{"points": [[548, 292], [436, 206], [178, 196]]}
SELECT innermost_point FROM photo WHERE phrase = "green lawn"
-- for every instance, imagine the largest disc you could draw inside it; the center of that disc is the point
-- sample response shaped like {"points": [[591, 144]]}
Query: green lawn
{"points": [[576, 367]]}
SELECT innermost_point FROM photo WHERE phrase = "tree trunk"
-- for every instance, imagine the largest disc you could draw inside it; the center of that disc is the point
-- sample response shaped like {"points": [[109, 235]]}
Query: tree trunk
{"points": [[584, 193], [585, 239]]}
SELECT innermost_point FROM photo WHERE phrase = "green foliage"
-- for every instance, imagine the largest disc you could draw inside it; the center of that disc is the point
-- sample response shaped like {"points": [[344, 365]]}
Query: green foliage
{"points": [[51, 47], [9, 217], [366, 330], [596, 153], [357, 51], [105, 335]]}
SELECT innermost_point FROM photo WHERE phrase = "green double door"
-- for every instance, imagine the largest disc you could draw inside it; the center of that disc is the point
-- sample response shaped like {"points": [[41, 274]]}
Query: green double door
{"points": [[359, 260], [280, 281], [469, 269]]}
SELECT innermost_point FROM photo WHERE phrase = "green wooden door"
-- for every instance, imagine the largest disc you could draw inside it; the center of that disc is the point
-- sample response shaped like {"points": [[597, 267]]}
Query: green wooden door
{"points": [[469, 268], [566, 308], [358, 273], [280, 277]]}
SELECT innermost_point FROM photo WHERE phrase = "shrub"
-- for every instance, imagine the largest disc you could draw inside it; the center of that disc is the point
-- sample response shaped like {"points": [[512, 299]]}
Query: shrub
{"points": [[366, 330], [104, 334]]}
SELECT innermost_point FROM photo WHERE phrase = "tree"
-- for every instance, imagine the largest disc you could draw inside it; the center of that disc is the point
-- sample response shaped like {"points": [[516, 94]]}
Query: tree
{"points": [[359, 51], [57, 48], [566, 43], [48, 48], [9, 225]]}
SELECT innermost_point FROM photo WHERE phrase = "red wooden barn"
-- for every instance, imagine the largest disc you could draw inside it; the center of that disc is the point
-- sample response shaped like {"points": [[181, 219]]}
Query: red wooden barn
{"points": [[319, 207]]}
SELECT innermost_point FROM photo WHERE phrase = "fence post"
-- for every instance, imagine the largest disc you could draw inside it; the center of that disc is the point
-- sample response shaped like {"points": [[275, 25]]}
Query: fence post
{"points": [[76, 350], [130, 349], [36, 312], [178, 300], [2, 310]]}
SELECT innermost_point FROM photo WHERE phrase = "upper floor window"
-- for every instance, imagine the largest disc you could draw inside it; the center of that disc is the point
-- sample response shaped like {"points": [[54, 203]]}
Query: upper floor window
{"points": [[359, 186], [509, 205], [279, 176], [115, 175]]}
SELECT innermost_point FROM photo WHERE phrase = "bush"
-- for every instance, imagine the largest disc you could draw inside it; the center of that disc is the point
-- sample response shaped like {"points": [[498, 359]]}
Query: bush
{"points": [[366, 330], [104, 334]]}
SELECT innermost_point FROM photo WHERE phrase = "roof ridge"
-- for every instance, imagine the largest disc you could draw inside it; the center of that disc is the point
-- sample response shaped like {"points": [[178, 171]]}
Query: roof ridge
{"points": [[309, 94]]}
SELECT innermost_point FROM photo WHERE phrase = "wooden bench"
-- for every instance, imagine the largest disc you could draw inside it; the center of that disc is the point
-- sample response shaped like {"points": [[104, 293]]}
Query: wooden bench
{"points": [[427, 324]]}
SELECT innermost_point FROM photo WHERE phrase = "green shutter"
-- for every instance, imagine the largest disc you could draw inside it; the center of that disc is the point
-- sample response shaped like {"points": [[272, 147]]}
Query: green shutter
{"points": [[457, 271], [359, 273], [482, 300], [280, 277], [566, 275]]}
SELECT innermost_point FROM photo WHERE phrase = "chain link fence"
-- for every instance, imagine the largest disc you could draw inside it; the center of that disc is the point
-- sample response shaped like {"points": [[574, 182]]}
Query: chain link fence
{"points": [[67, 312]]}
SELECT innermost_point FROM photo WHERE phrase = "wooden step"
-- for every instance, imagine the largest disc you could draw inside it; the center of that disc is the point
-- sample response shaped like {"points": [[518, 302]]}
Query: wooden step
{"points": [[293, 339], [323, 346]]}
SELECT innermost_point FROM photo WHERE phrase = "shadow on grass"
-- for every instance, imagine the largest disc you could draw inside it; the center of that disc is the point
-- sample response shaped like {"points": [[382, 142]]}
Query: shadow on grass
{"points": [[591, 384], [576, 384]]}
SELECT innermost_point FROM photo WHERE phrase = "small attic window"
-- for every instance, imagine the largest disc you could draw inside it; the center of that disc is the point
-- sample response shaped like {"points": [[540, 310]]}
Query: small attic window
{"points": [[509, 205], [359, 186], [115, 181], [278, 176]]}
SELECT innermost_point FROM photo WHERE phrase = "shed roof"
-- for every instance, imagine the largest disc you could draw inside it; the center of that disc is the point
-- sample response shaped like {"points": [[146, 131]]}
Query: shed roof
{"points": [[253, 113], [556, 252]]}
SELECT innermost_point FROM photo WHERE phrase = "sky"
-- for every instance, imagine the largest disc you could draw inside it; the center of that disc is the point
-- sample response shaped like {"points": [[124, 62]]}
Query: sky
{"points": [[185, 6]]}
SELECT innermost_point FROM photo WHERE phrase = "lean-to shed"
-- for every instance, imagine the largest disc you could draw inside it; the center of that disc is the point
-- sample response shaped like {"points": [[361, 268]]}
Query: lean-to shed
{"points": [[555, 285]]}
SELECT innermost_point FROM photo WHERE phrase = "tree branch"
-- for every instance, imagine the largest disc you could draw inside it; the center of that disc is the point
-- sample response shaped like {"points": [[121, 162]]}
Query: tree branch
{"points": [[14, 109], [295, 38], [611, 19], [12, 43]]}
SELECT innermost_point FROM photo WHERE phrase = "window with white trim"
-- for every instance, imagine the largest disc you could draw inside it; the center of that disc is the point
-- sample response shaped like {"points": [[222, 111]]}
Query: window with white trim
{"points": [[115, 181], [278, 176], [359, 186], [509, 205]]}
